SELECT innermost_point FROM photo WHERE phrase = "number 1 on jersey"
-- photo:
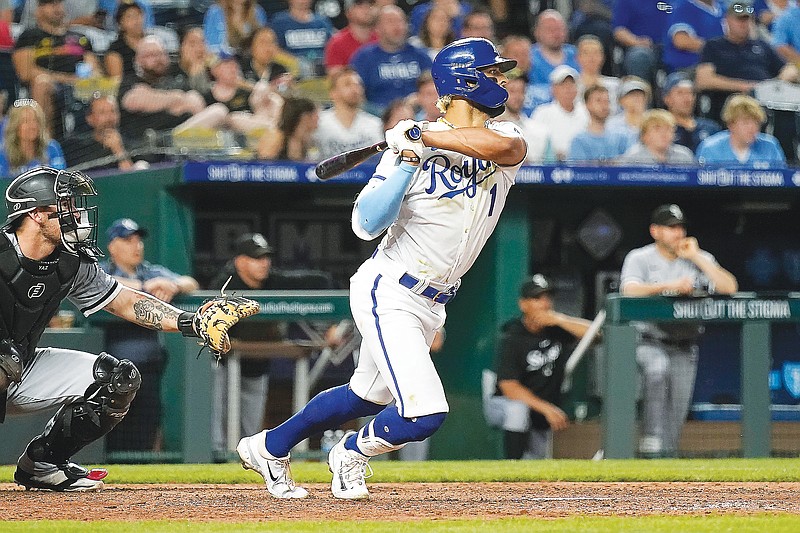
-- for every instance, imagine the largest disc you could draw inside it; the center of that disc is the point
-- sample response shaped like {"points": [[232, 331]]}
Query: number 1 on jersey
{"points": [[493, 192]]}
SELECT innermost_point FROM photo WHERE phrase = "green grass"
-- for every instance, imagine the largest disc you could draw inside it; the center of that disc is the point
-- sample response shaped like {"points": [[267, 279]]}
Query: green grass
{"points": [[774, 523], [713, 470]]}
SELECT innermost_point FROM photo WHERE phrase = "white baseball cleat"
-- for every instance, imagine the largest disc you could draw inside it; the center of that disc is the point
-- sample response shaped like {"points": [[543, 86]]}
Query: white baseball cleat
{"points": [[276, 471], [349, 470]]}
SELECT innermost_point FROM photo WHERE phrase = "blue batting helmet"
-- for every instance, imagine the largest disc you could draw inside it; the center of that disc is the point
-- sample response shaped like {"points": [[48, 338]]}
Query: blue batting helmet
{"points": [[457, 71]]}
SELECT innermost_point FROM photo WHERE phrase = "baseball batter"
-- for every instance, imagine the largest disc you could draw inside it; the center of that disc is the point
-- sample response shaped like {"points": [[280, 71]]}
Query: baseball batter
{"points": [[440, 198], [48, 253]]}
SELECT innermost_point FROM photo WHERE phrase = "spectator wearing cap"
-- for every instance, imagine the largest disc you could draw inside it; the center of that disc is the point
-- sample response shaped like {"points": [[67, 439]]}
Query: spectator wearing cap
{"points": [[346, 126], [673, 265], [390, 67], [531, 357], [691, 24], [596, 144], [634, 98], [251, 268], [535, 133], [639, 28], [679, 98], [230, 23], [141, 428], [550, 51], [736, 63], [360, 30], [303, 34], [657, 142], [118, 58], [742, 143], [565, 116]]}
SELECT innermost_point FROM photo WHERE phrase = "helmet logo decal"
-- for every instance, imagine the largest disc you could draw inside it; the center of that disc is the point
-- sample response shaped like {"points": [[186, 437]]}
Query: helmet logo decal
{"points": [[36, 290]]}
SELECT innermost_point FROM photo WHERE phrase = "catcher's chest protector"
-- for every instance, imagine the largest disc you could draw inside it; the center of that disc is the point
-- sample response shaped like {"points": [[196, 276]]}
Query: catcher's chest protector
{"points": [[30, 293]]}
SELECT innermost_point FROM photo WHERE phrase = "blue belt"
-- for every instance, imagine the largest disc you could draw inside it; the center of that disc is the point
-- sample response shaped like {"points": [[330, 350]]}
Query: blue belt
{"points": [[410, 282]]}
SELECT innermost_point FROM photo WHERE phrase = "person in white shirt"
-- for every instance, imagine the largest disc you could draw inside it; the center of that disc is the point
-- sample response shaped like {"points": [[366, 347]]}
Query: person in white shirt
{"points": [[564, 117], [345, 126], [535, 133]]}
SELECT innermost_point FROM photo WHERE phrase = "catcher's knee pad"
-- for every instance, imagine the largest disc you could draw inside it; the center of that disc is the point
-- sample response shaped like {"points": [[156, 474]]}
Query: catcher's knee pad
{"points": [[105, 403], [115, 386]]}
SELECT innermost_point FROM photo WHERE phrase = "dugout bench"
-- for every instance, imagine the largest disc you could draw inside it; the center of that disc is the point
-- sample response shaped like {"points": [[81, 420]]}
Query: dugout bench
{"points": [[755, 313]]}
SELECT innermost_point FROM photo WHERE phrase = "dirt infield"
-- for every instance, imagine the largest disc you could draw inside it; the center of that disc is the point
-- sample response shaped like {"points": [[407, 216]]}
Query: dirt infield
{"points": [[401, 501]]}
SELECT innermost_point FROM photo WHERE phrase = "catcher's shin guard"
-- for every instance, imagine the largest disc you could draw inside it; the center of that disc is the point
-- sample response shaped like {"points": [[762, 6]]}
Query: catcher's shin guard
{"points": [[105, 403]]}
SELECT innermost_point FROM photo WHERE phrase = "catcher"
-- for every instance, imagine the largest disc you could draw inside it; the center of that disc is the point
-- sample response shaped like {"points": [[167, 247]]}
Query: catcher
{"points": [[48, 252]]}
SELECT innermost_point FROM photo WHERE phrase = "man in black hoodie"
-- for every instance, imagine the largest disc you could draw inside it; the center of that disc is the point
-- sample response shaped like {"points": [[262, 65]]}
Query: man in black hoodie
{"points": [[532, 355]]}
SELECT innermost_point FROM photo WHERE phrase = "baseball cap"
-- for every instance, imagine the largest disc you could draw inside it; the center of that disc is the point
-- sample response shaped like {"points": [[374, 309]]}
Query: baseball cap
{"points": [[253, 245], [124, 227], [562, 72], [741, 8], [677, 79], [41, 2], [632, 85], [668, 215], [535, 287]]}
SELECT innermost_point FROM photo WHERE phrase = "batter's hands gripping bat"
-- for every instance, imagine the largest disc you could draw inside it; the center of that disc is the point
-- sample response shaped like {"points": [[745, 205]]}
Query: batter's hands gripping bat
{"points": [[333, 166]]}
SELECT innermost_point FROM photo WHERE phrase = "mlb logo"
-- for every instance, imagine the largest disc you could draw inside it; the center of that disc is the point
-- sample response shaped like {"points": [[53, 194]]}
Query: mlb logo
{"points": [[791, 378]]}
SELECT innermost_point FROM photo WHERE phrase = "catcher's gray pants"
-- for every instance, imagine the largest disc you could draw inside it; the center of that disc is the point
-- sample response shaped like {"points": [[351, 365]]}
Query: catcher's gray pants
{"points": [[54, 377], [668, 374], [512, 415], [253, 401]]}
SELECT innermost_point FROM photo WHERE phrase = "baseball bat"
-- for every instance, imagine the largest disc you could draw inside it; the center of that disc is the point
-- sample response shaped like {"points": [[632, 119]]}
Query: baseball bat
{"points": [[333, 166]]}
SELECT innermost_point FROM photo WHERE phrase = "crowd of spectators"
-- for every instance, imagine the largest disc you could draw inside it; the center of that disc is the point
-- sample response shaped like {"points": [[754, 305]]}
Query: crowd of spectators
{"points": [[293, 80]]}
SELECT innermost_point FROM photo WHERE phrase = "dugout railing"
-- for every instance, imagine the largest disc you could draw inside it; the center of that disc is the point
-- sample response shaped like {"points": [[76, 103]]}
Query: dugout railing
{"points": [[755, 314]]}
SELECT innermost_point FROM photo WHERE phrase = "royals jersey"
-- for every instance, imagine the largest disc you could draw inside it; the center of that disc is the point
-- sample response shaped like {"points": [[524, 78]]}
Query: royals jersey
{"points": [[449, 212]]}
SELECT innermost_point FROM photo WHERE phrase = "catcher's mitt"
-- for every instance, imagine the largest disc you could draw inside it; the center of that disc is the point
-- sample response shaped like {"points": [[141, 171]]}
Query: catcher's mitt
{"points": [[214, 318]]}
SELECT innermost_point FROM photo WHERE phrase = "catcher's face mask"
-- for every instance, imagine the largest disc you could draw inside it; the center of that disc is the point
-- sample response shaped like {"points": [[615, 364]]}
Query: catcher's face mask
{"points": [[78, 220]]}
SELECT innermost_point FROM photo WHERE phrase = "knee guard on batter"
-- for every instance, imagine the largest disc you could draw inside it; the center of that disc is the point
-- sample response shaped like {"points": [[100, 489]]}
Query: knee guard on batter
{"points": [[105, 403], [389, 431]]}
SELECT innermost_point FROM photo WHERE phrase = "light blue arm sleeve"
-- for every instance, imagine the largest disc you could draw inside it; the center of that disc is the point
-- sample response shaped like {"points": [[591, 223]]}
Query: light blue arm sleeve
{"points": [[379, 206], [214, 27]]}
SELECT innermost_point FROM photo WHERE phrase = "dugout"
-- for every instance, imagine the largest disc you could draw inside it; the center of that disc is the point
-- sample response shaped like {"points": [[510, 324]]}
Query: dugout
{"points": [[575, 230]]}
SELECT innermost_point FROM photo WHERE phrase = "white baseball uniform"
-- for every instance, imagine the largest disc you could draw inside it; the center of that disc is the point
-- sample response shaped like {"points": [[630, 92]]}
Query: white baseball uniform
{"points": [[448, 213]]}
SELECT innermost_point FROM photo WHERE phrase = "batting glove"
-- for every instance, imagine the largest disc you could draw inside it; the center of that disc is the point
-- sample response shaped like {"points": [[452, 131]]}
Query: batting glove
{"points": [[402, 136]]}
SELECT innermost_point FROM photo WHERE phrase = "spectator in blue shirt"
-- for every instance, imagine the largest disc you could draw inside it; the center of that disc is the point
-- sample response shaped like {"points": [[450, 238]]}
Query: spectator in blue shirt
{"points": [[691, 24], [639, 27], [736, 63], [596, 144], [742, 143], [26, 144], [786, 35], [303, 33], [551, 50], [229, 23], [680, 98], [455, 10], [390, 67], [768, 13]]}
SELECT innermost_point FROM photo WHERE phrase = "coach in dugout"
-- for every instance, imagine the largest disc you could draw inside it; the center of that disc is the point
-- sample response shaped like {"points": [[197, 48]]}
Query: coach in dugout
{"points": [[531, 359]]}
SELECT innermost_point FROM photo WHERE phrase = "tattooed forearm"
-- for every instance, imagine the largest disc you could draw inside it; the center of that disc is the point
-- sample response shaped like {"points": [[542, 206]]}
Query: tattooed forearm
{"points": [[152, 313]]}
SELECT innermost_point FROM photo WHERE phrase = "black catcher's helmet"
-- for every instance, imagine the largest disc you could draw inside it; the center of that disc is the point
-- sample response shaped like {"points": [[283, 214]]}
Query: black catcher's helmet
{"points": [[69, 191]]}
